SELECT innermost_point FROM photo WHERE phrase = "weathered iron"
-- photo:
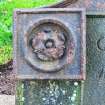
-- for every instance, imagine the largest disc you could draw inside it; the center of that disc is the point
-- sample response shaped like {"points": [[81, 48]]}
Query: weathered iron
{"points": [[94, 85], [49, 42], [93, 89], [47, 46]]}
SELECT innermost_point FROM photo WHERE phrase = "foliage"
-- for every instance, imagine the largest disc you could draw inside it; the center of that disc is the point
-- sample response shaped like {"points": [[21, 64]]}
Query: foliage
{"points": [[20, 93], [5, 53], [6, 11]]}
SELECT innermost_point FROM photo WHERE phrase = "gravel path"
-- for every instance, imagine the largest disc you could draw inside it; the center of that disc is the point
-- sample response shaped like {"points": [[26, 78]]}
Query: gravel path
{"points": [[7, 100]]}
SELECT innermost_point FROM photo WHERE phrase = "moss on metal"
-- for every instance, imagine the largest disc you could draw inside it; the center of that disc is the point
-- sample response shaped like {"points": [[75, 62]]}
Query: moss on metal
{"points": [[48, 92]]}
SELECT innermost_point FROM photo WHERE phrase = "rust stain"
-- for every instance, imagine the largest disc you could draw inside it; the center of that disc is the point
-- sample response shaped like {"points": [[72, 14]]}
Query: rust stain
{"points": [[100, 5], [87, 3]]}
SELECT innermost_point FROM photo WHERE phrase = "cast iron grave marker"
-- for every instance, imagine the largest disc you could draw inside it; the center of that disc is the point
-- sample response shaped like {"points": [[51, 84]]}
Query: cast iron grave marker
{"points": [[49, 43]]}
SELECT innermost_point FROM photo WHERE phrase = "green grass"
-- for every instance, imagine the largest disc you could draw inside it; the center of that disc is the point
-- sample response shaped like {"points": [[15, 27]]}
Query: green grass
{"points": [[6, 11], [5, 53]]}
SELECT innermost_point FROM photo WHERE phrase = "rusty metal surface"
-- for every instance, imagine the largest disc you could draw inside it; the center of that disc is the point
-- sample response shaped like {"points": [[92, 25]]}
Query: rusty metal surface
{"points": [[94, 86], [49, 43], [90, 5], [63, 3]]}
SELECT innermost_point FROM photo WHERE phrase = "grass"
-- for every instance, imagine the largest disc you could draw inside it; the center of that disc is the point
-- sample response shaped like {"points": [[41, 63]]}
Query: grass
{"points": [[6, 11], [5, 53]]}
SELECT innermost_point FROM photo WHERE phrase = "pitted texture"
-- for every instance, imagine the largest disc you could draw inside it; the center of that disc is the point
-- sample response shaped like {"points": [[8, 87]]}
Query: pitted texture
{"points": [[48, 42]]}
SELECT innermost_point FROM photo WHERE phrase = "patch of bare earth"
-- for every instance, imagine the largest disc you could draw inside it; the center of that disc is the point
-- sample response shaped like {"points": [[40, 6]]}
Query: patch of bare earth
{"points": [[7, 81]]}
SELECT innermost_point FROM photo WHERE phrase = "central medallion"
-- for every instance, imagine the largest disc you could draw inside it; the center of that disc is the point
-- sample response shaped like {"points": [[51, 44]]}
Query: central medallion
{"points": [[49, 42], [50, 45]]}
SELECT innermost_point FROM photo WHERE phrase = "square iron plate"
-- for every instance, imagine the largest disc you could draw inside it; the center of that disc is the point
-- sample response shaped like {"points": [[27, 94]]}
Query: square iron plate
{"points": [[49, 43]]}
